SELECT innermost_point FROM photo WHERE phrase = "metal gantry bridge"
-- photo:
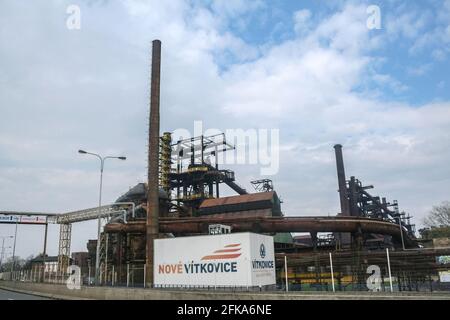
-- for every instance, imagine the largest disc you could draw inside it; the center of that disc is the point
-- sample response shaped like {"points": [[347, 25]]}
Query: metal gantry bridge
{"points": [[65, 220]]}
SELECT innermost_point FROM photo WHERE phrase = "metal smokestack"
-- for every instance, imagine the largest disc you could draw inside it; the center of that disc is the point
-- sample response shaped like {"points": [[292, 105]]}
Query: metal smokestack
{"points": [[153, 161], [345, 206]]}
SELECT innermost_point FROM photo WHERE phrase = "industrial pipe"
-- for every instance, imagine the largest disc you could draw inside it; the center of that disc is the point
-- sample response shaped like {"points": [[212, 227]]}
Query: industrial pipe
{"points": [[267, 225]]}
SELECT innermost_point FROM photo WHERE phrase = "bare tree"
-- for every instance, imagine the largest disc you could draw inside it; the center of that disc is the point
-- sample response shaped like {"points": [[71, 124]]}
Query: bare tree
{"points": [[439, 216], [19, 263]]}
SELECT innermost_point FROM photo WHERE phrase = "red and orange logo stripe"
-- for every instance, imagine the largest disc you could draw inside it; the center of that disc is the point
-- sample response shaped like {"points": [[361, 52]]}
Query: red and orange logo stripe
{"points": [[230, 251]]}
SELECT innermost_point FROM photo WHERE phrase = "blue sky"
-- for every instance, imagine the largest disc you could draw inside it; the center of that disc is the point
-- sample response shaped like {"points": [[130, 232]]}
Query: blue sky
{"points": [[311, 69], [414, 64]]}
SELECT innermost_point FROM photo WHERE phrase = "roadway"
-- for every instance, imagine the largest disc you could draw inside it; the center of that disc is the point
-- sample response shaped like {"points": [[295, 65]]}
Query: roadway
{"points": [[11, 295]]}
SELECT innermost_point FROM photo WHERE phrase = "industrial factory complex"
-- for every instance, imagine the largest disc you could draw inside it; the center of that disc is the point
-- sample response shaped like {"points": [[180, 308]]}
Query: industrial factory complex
{"points": [[176, 230]]}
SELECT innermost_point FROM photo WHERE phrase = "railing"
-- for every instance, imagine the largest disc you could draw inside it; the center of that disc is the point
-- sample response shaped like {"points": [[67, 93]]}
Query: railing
{"points": [[380, 271]]}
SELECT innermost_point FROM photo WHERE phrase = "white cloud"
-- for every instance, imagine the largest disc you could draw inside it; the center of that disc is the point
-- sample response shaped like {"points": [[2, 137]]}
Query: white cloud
{"points": [[408, 24], [388, 80], [301, 20], [233, 8], [419, 70], [424, 29]]}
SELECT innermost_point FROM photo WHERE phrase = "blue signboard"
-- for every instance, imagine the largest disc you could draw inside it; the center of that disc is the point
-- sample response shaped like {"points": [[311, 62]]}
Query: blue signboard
{"points": [[9, 219]]}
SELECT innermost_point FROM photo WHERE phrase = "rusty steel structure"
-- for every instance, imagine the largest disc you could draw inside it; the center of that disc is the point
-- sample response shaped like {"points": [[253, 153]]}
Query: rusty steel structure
{"points": [[196, 176], [165, 162], [356, 201], [199, 225], [152, 225], [262, 185], [344, 239], [182, 198], [345, 209]]}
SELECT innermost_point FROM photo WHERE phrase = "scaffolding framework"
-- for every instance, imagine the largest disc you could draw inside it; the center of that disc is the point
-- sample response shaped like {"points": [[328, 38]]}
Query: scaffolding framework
{"points": [[165, 162], [65, 235]]}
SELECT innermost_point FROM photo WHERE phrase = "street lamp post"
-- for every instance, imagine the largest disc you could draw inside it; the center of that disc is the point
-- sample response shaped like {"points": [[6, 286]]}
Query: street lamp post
{"points": [[14, 250], [102, 164]]}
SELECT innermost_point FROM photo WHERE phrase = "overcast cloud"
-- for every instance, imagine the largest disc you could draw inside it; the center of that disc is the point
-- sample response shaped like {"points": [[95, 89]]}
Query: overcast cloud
{"points": [[316, 73]]}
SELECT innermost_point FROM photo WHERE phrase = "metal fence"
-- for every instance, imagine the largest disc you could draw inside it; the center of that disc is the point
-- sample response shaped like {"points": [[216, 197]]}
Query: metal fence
{"points": [[378, 270], [345, 271]]}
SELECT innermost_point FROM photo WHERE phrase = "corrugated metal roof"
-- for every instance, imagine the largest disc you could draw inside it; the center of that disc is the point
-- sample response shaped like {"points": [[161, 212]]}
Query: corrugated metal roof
{"points": [[245, 198]]}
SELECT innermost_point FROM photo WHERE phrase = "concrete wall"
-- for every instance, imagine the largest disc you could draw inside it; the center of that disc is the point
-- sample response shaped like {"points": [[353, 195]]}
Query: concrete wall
{"points": [[105, 293], [108, 293]]}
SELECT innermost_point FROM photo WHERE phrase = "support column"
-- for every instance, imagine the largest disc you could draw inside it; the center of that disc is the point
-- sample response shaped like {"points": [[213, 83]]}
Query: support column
{"points": [[44, 253], [65, 235]]}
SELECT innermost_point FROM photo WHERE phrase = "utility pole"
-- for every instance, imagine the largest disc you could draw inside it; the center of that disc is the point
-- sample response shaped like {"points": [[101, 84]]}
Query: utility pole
{"points": [[14, 250]]}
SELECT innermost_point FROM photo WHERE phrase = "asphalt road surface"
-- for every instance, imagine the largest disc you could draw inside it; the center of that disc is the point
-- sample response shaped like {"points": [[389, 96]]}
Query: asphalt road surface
{"points": [[10, 295]]}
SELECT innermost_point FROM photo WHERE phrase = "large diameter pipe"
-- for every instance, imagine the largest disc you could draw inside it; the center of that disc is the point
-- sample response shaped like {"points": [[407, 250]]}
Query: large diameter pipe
{"points": [[152, 228], [345, 207], [267, 225]]}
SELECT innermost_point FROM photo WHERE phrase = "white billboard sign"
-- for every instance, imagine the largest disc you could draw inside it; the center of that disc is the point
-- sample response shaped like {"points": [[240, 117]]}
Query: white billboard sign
{"points": [[236, 259]]}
